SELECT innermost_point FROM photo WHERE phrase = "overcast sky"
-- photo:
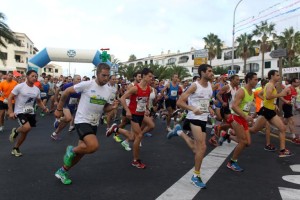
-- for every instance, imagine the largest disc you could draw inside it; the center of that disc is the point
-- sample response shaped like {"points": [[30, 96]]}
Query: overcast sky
{"points": [[140, 27]]}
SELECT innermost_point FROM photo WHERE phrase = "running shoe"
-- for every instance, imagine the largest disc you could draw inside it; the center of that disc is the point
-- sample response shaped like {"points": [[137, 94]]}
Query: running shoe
{"points": [[16, 152], [69, 156], [56, 123], [197, 181], [63, 176], [126, 146], [117, 138], [42, 114], [138, 164], [13, 135], [175, 112], [72, 128], [213, 141], [173, 132], [296, 141], [234, 166], [147, 134], [285, 153], [223, 137], [1, 129], [54, 136], [270, 147], [111, 129]]}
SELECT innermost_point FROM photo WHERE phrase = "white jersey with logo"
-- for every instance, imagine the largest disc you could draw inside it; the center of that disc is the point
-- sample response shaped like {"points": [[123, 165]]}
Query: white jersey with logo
{"points": [[92, 101], [25, 96], [200, 99]]}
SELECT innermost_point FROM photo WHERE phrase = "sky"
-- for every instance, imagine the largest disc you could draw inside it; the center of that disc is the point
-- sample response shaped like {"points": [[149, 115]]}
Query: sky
{"points": [[140, 27]]}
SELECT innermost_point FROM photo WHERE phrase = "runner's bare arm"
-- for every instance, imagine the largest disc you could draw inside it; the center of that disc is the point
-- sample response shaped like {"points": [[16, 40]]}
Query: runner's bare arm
{"points": [[128, 93], [240, 94], [222, 91], [181, 102], [269, 90]]}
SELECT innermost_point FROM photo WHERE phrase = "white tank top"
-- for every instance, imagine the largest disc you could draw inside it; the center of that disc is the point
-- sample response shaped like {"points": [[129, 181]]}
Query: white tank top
{"points": [[200, 98], [232, 90], [151, 97]]}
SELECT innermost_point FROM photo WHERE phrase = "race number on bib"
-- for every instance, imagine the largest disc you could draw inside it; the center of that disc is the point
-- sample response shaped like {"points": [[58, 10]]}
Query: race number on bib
{"points": [[28, 110], [247, 107], [204, 105], [43, 94], [72, 101], [94, 119], [173, 93], [141, 104]]}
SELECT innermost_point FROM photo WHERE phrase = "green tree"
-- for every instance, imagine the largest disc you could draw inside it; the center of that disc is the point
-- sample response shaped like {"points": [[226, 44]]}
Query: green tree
{"points": [[290, 40], [127, 71], [214, 46], [220, 70], [181, 71], [245, 48], [265, 32], [132, 57], [6, 35]]}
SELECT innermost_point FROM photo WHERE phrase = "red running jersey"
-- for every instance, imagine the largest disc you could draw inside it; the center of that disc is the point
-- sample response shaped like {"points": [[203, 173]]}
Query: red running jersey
{"points": [[138, 102]]}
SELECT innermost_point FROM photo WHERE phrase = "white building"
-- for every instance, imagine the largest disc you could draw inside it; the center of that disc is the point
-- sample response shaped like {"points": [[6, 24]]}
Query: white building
{"points": [[187, 60], [51, 69], [17, 56]]}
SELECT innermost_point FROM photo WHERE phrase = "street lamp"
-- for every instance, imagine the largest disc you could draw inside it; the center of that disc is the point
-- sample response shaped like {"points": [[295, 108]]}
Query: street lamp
{"points": [[233, 31]]}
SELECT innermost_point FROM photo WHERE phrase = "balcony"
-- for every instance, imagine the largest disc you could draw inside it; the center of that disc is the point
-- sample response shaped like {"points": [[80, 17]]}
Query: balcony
{"points": [[20, 49]]}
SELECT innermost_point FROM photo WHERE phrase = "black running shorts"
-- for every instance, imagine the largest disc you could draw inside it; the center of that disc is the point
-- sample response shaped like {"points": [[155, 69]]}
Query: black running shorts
{"points": [[84, 129]]}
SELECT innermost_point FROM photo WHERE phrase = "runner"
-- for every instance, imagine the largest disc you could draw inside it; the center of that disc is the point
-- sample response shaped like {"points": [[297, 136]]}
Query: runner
{"points": [[44, 92], [268, 112], [136, 110], [25, 94], [287, 107], [240, 119], [6, 86], [171, 97], [198, 96], [94, 97], [69, 110]]}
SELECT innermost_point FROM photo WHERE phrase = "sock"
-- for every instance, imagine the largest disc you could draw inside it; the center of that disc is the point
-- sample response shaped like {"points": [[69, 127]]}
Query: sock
{"points": [[232, 161], [282, 150], [179, 132], [293, 135], [54, 133], [16, 133], [64, 168], [196, 173], [116, 130]]}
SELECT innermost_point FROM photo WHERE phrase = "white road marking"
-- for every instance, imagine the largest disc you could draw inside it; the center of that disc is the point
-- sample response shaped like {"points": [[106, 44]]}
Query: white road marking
{"points": [[292, 178], [183, 189], [295, 168], [289, 194]]}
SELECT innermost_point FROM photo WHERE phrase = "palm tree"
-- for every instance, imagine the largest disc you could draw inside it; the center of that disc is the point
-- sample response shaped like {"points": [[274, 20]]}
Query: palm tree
{"points": [[290, 40], [181, 71], [265, 31], [6, 34], [245, 48], [132, 57], [127, 71], [214, 46]]}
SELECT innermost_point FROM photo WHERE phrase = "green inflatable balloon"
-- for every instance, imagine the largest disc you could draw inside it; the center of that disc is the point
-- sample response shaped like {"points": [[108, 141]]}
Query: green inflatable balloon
{"points": [[104, 56]]}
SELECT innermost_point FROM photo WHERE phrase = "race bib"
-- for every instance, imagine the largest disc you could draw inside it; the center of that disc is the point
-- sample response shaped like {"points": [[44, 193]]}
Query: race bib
{"points": [[247, 107], [203, 105], [94, 119], [72, 101], [28, 110], [141, 104], [173, 93], [43, 94]]}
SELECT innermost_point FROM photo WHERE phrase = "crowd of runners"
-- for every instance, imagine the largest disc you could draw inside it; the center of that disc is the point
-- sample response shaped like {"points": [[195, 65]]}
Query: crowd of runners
{"points": [[81, 104]]}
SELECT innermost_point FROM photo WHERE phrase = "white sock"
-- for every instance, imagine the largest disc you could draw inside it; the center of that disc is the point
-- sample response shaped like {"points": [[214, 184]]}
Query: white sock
{"points": [[179, 132]]}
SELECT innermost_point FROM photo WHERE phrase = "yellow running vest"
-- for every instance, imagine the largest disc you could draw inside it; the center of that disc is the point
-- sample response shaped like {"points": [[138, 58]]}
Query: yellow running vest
{"points": [[270, 104]]}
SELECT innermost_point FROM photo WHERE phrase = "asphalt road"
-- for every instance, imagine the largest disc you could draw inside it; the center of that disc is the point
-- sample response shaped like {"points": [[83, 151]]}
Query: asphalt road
{"points": [[108, 174]]}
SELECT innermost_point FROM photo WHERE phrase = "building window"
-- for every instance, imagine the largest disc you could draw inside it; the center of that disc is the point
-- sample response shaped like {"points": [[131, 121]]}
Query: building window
{"points": [[252, 67], [268, 64], [151, 62], [18, 58], [183, 59], [50, 69], [228, 55], [3, 55], [171, 61], [56, 70], [146, 62], [44, 69], [139, 64]]}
